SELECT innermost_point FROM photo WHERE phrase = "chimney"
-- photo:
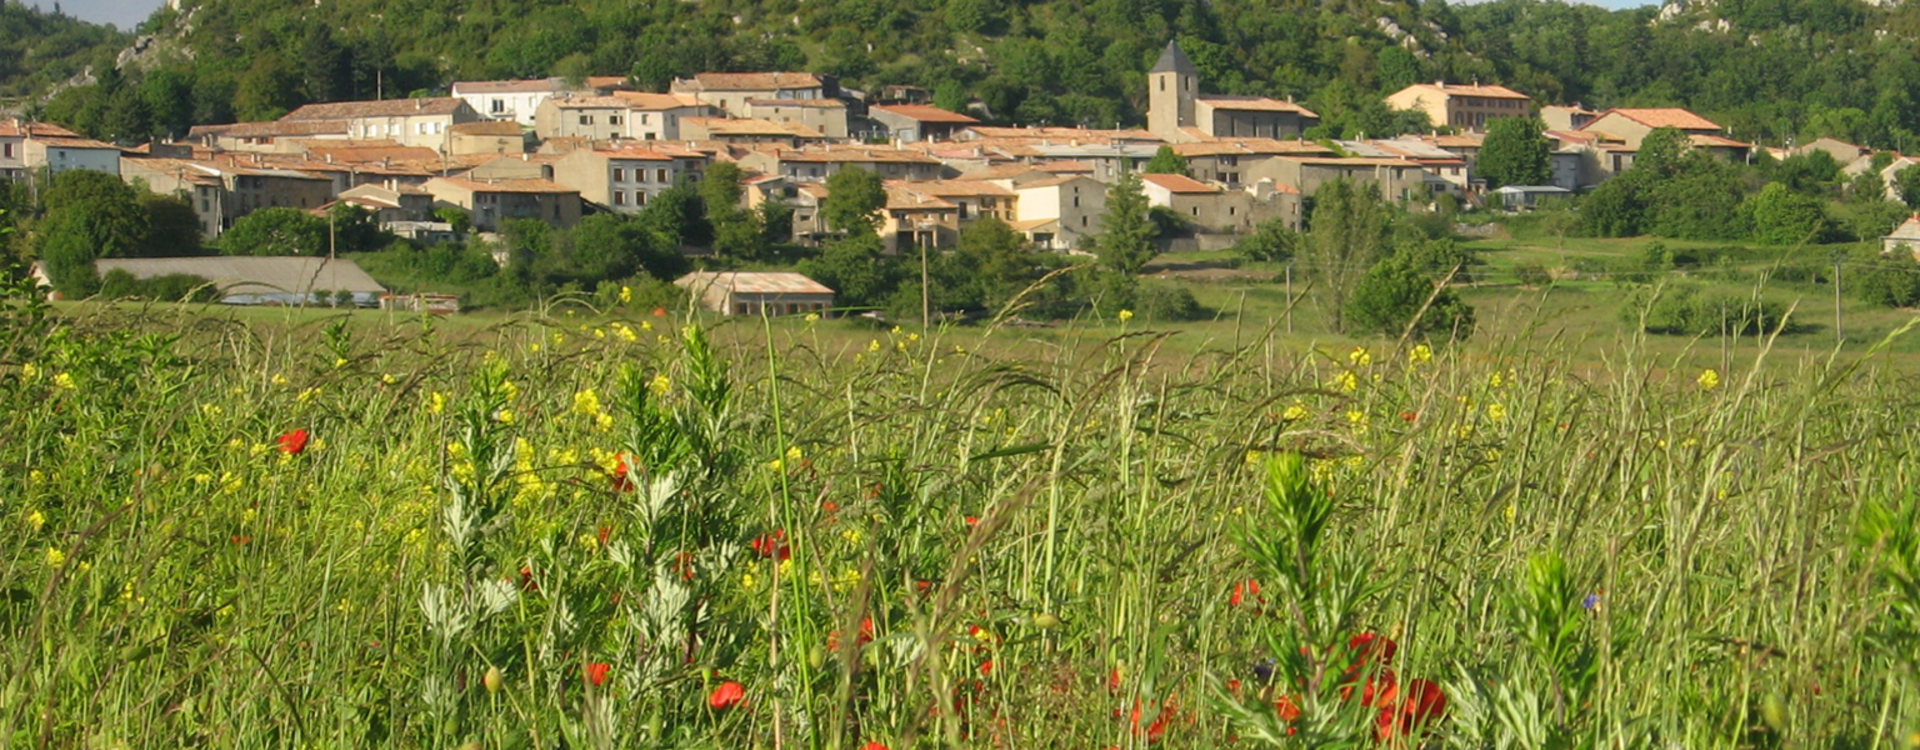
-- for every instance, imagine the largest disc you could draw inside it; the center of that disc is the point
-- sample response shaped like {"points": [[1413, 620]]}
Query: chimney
{"points": [[329, 157], [419, 105]]}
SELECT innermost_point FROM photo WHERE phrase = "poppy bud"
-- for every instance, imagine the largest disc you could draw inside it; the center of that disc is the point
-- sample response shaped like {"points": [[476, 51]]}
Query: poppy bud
{"points": [[1046, 621], [493, 679]]}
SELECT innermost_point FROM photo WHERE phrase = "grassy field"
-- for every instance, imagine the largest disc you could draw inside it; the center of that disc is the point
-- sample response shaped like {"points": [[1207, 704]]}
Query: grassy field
{"points": [[581, 528]]}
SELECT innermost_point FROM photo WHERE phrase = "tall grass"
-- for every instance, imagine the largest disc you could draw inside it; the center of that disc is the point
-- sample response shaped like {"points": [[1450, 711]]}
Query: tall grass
{"points": [[572, 529]]}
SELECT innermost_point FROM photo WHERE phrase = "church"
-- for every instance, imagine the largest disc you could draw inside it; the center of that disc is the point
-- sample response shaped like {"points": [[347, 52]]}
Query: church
{"points": [[1179, 113]]}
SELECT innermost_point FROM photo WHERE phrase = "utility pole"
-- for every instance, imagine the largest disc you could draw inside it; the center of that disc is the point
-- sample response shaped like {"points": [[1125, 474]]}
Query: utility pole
{"points": [[926, 305], [1838, 336], [1289, 297]]}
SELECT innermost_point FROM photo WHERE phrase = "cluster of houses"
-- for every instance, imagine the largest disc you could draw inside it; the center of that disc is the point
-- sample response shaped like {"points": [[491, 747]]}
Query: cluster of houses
{"points": [[556, 149]]}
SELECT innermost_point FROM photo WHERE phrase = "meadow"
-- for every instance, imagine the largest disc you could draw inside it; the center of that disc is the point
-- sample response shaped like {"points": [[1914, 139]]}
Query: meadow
{"points": [[579, 527]]}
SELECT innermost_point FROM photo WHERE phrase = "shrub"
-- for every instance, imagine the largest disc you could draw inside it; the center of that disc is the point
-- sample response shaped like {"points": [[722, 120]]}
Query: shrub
{"points": [[1533, 275], [1686, 311]]}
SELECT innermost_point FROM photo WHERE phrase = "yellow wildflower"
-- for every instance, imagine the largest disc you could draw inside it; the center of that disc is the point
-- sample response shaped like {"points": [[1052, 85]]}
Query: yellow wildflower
{"points": [[230, 482], [590, 542], [626, 334], [603, 422], [436, 402], [278, 379], [37, 476], [511, 389], [339, 362], [503, 416], [211, 410], [36, 519], [586, 403], [646, 326], [308, 395], [793, 452], [1296, 412], [1511, 512], [1347, 381], [626, 294], [28, 371], [64, 381], [456, 451], [1355, 416], [852, 535], [1360, 357], [1709, 379], [1497, 412], [535, 348], [659, 385], [873, 345], [55, 558], [813, 317], [1420, 355], [1125, 315], [388, 378], [599, 333], [748, 580], [558, 338]]}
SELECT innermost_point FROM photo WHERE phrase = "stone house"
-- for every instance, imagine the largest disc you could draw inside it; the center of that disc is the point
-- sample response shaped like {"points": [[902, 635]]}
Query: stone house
{"points": [[828, 117], [493, 201], [730, 91], [1462, 106], [222, 194], [426, 122], [622, 179], [1060, 213], [908, 123]]}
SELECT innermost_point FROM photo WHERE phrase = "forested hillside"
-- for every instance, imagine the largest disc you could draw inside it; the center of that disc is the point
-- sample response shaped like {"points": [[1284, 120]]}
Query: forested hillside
{"points": [[38, 50], [1768, 69]]}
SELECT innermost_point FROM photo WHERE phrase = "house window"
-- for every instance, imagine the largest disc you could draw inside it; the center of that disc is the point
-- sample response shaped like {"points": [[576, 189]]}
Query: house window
{"points": [[586, 119], [1076, 201], [498, 106], [619, 174], [639, 198], [660, 176], [9, 150], [556, 210], [1083, 221], [613, 119], [619, 197], [643, 118]]}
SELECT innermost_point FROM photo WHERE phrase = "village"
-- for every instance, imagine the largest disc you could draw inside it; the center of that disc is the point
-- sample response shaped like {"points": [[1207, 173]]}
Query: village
{"points": [[557, 150]]}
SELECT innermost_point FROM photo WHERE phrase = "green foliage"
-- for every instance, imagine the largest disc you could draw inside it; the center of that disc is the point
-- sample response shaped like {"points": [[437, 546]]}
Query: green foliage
{"points": [[1906, 182], [1685, 310], [1886, 280], [179, 287], [1782, 217], [455, 217], [1165, 161], [1515, 152], [856, 269], [173, 229], [1270, 242], [1387, 299], [737, 233], [1127, 230], [1660, 152], [89, 215], [1347, 234], [276, 231], [1618, 207], [854, 199]]}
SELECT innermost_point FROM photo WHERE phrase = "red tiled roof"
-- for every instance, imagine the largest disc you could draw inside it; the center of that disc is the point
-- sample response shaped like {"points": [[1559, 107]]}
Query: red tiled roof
{"points": [[1470, 89], [924, 113], [35, 129], [1254, 104], [442, 105], [1178, 183], [1665, 117], [505, 186], [756, 81]]}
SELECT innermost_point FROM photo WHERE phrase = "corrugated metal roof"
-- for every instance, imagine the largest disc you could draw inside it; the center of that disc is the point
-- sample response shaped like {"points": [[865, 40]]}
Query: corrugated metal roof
{"points": [[754, 282], [249, 275]]}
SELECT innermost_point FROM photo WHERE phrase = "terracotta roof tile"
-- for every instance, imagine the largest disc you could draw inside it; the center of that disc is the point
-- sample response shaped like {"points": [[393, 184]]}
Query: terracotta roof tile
{"points": [[443, 105], [1665, 117], [1181, 184], [924, 113], [756, 81]]}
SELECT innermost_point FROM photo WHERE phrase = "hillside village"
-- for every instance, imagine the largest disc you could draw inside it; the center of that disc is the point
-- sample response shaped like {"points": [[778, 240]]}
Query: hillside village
{"points": [[557, 150]]}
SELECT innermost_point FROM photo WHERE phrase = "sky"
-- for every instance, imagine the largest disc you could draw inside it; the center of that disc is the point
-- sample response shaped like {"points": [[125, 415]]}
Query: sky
{"points": [[125, 14]]}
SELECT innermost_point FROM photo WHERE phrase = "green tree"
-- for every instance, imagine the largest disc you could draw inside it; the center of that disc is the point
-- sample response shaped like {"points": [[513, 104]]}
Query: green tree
{"points": [[89, 215], [1165, 161], [1391, 293], [1906, 182], [1701, 201], [173, 228], [275, 232], [989, 265], [269, 88], [856, 269], [455, 217], [1347, 234], [1617, 208], [676, 215], [1515, 152], [736, 231], [854, 199], [1126, 236], [1660, 152], [1782, 217], [1271, 242]]}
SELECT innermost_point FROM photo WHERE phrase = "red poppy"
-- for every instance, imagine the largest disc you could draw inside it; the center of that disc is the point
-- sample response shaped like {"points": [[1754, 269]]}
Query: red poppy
{"points": [[1369, 647], [1422, 704], [241, 539], [603, 533], [1251, 588], [526, 579], [1409, 416], [659, 312], [772, 546], [621, 479], [292, 442], [973, 520], [986, 668], [866, 635], [831, 508], [597, 673], [728, 695], [1379, 689], [1113, 680], [1157, 728], [873, 746]]}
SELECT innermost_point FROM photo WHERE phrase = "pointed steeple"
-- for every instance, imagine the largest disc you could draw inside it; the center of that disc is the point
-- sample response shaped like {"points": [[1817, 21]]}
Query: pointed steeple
{"points": [[1172, 60]]}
